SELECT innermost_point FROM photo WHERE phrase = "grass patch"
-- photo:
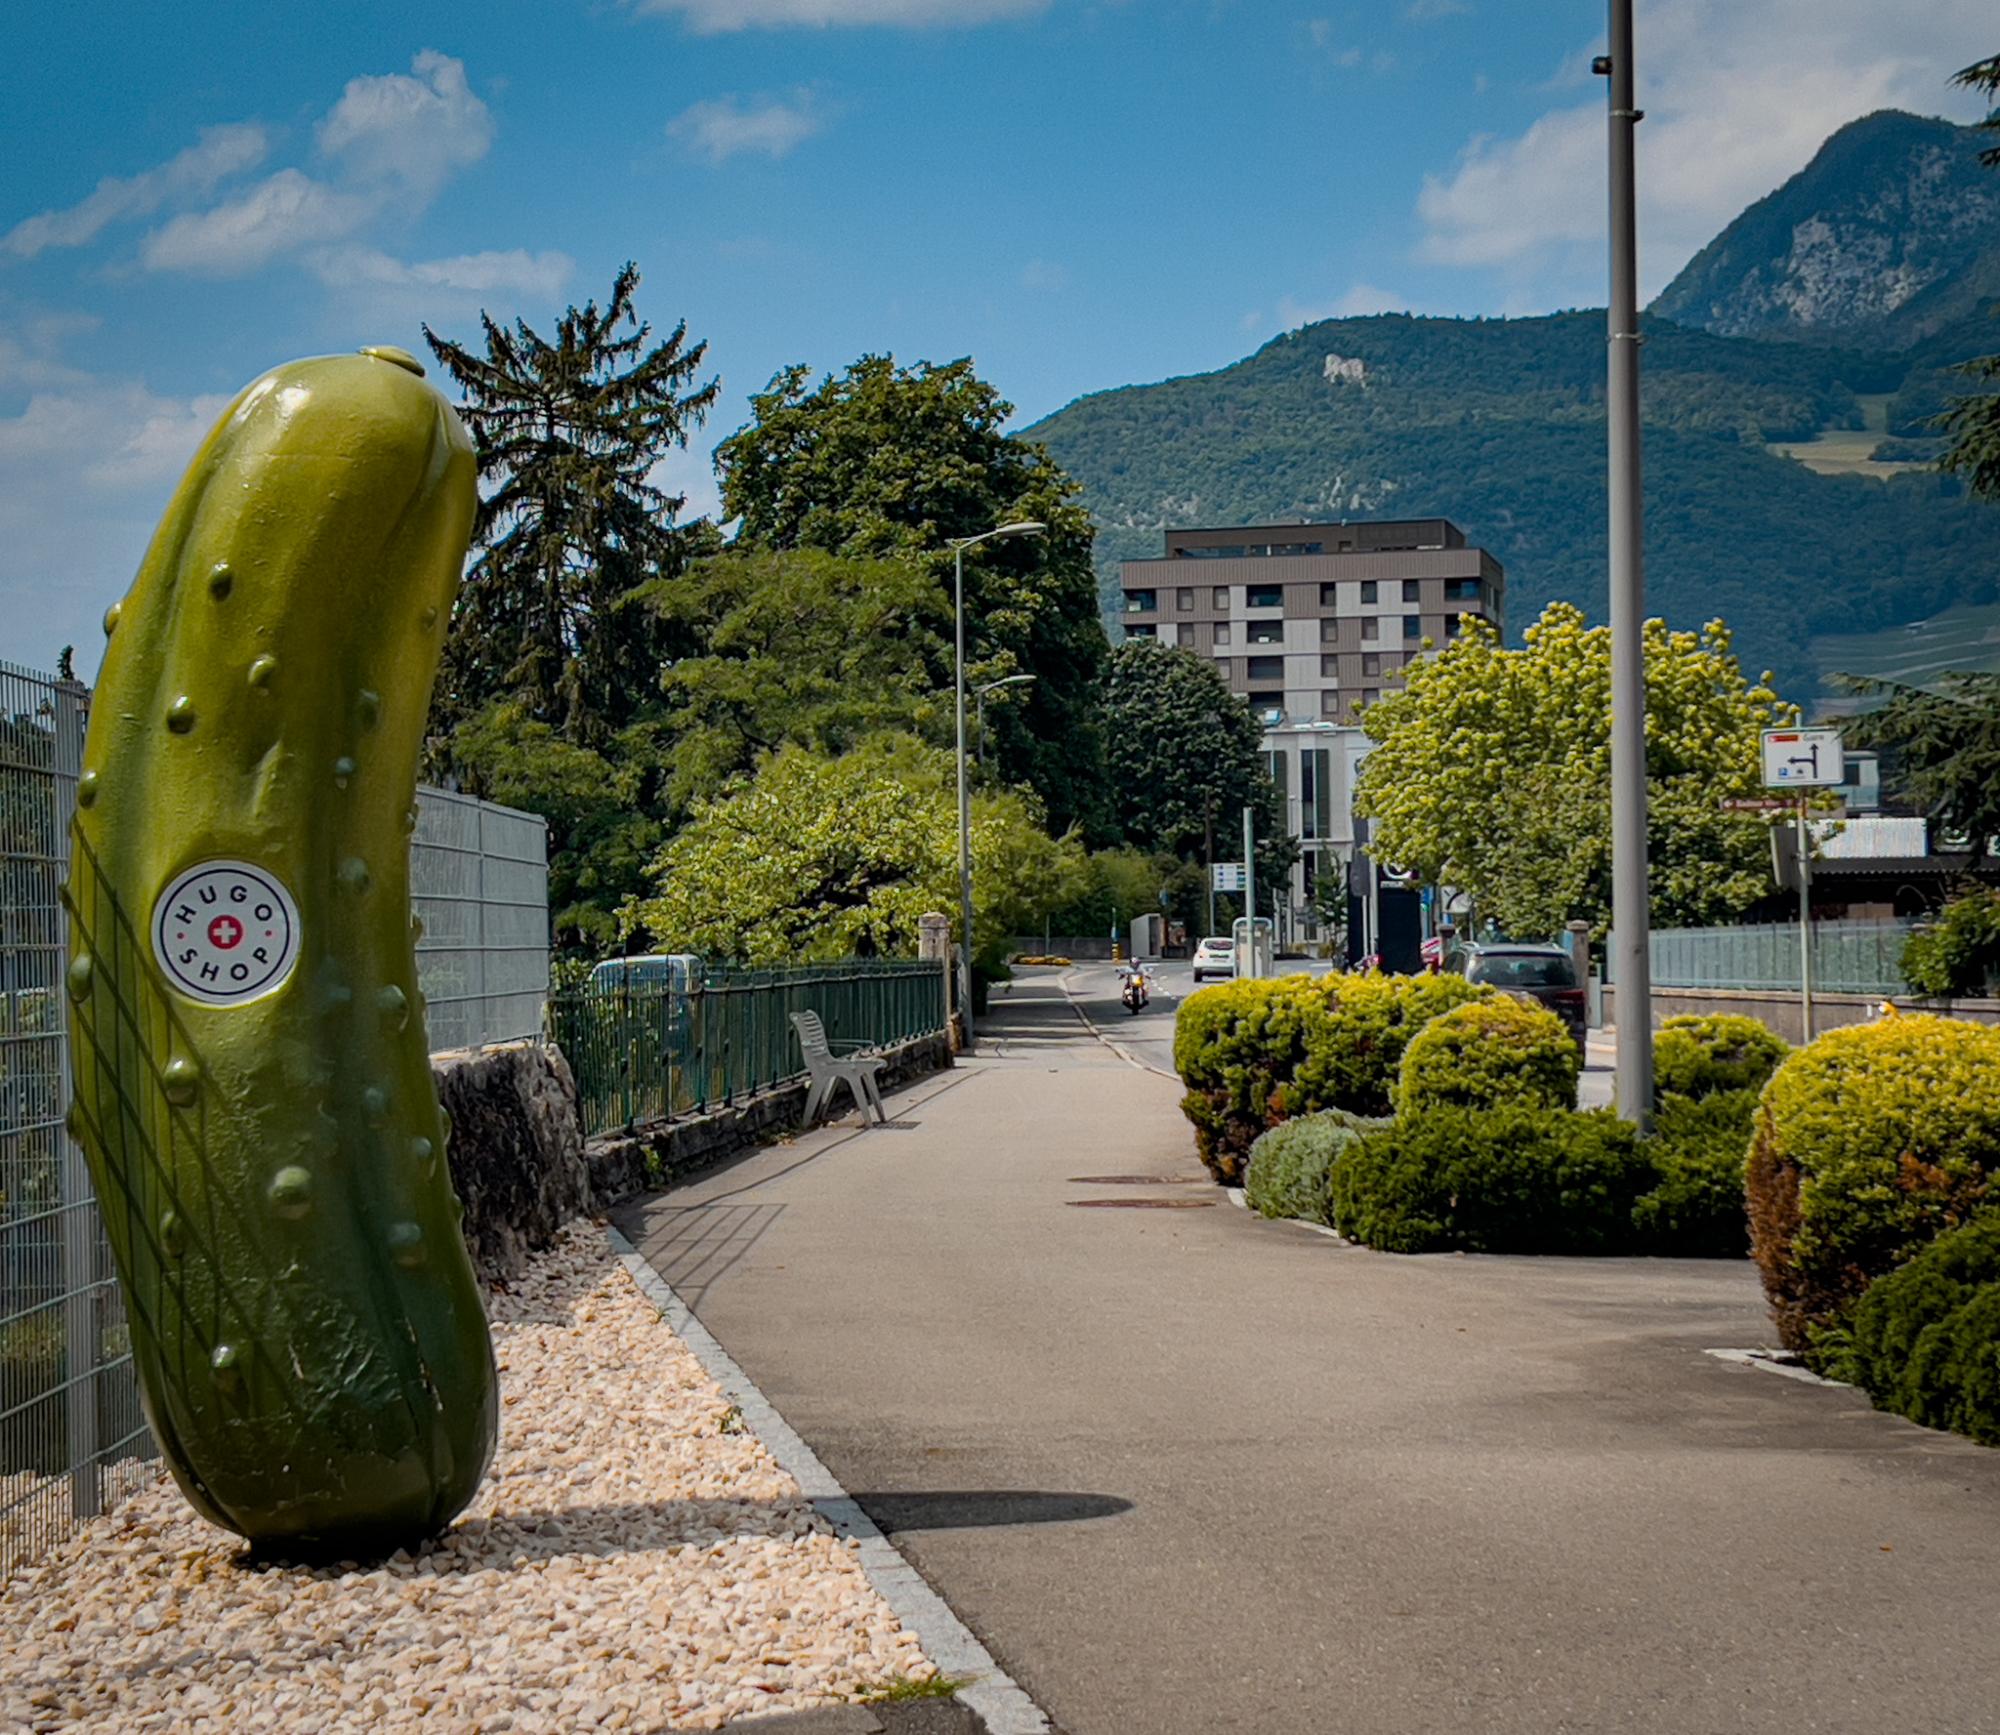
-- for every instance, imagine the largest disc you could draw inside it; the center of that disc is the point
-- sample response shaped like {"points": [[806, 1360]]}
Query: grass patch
{"points": [[899, 1688]]}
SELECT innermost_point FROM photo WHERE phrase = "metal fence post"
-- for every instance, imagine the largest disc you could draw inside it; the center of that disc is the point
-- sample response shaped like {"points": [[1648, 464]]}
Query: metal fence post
{"points": [[82, 1339]]}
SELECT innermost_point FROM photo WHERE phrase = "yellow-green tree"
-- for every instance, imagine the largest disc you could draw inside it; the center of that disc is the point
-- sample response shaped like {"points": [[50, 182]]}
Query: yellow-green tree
{"points": [[814, 856], [1491, 773]]}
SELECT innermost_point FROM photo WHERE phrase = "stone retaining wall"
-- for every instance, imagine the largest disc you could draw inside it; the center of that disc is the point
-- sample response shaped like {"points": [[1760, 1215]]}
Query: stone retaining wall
{"points": [[625, 1164], [521, 1166]]}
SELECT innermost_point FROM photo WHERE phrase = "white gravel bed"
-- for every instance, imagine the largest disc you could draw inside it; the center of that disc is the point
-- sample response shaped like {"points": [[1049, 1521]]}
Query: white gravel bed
{"points": [[635, 1561]]}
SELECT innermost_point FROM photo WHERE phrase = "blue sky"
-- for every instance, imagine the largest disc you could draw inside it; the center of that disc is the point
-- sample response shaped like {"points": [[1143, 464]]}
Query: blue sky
{"points": [[1077, 193]]}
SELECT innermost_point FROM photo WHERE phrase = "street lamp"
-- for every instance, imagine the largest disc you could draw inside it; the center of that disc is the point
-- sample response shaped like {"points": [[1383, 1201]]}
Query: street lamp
{"points": [[958, 545], [980, 693]]}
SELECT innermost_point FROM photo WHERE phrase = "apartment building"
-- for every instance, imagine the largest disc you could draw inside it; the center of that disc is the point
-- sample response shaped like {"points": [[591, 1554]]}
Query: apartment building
{"points": [[1312, 621]]}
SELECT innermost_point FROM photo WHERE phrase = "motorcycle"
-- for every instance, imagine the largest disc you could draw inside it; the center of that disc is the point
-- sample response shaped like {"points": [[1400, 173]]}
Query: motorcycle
{"points": [[1134, 991]]}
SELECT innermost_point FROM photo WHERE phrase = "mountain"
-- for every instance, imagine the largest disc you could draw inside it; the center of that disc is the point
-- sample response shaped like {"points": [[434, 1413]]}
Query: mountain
{"points": [[1499, 426], [1890, 235], [1787, 479]]}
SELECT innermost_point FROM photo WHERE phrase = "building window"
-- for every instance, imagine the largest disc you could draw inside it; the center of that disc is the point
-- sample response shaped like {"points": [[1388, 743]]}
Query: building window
{"points": [[1265, 668], [1269, 707], [1263, 596], [1222, 632], [1368, 697], [1371, 629], [1329, 632], [1315, 792], [1141, 601], [1186, 631], [1278, 766], [1222, 597], [1451, 627], [1461, 590], [1368, 589], [1331, 704], [1410, 592], [1413, 628], [1266, 633], [1328, 595], [1144, 632], [1184, 599], [1371, 662], [1329, 666]]}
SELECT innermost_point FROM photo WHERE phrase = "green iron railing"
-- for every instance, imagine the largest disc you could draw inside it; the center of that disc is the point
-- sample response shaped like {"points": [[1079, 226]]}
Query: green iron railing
{"points": [[650, 1053]]}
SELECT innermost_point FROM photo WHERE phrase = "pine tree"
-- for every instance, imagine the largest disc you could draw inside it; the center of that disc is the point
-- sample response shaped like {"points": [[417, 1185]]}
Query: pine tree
{"points": [[571, 523], [1974, 422]]}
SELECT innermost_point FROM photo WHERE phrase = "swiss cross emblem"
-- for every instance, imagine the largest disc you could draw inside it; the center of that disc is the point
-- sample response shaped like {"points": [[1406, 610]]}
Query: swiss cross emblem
{"points": [[225, 932]]}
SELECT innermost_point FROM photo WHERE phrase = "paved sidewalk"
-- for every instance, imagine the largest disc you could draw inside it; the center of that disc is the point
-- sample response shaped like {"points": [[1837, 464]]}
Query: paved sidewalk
{"points": [[1185, 1471]]}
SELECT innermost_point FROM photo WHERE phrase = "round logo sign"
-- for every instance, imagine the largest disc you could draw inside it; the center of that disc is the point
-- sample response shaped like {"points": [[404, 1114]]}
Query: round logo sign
{"points": [[226, 932]]}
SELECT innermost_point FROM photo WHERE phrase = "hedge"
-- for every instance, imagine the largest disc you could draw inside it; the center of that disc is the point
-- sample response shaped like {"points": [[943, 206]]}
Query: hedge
{"points": [[1868, 1145], [1257, 1052], [1501, 1180], [1926, 1338], [1700, 1054], [1960, 952], [1488, 1054], [1695, 1206], [1291, 1164]]}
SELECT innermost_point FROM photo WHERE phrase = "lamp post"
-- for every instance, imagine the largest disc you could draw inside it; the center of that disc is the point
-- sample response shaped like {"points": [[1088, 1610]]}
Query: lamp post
{"points": [[959, 544], [980, 693]]}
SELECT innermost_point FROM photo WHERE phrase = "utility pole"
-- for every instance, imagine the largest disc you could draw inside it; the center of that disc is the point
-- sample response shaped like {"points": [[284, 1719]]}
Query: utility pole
{"points": [[1208, 854], [1805, 920], [1249, 890], [1631, 911]]}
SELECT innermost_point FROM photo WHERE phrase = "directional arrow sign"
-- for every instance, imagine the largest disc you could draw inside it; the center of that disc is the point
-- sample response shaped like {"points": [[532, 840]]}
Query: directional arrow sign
{"points": [[1803, 759]]}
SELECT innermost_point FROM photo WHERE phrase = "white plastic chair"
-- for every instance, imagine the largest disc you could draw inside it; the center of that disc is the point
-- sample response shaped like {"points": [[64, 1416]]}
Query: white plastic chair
{"points": [[856, 1071]]}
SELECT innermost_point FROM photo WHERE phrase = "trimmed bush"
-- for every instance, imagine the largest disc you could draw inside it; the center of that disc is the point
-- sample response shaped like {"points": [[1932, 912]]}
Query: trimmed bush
{"points": [[1960, 952], [1501, 1180], [1868, 1144], [1354, 1052], [1695, 1207], [1236, 1046], [1700, 1054], [1488, 1054], [1926, 1338], [1254, 1053], [1290, 1164]]}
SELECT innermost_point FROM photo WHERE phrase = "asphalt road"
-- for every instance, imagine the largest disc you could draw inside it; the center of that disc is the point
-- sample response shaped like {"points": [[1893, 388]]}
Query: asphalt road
{"points": [[1186, 1471]]}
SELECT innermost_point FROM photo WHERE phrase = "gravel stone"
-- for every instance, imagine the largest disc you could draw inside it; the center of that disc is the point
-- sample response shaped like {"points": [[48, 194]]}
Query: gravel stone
{"points": [[628, 1565]]}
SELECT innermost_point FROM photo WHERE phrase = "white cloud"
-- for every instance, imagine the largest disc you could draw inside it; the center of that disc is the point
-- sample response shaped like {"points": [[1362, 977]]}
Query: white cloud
{"points": [[222, 151], [730, 126], [279, 215], [514, 270], [1357, 303], [1738, 99], [414, 131], [713, 17]]}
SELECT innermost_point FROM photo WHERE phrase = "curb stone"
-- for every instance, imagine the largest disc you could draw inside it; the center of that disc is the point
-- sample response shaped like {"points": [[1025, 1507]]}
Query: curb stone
{"points": [[946, 1640]]}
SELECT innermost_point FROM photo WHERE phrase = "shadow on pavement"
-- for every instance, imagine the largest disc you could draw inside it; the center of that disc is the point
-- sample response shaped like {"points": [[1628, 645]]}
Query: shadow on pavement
{"points": [[985, 1508]]}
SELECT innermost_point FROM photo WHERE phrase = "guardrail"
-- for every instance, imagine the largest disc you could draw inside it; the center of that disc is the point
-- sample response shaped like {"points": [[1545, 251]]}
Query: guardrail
{"points": [[648, 1054]]}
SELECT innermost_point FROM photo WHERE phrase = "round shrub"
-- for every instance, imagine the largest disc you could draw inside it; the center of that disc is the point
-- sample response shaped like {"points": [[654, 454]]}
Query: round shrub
{"points": [[1354, 1049], [1512, 1179], [1236, 1046], [1694, 1208], [1290, 1164], [1868, 1144], [1488, 1053], [1926, 1338], [1698, 1054]]}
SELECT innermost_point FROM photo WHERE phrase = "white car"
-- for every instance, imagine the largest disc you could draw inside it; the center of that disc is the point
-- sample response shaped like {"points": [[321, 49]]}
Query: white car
{"points": [[1215, 957]]}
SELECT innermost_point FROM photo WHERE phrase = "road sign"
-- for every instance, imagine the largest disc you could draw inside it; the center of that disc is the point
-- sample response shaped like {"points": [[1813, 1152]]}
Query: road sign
{"points": [[1803, 759], [1228, 876]]}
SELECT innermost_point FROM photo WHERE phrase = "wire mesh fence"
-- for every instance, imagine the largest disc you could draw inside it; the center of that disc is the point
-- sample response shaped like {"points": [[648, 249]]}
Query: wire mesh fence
{"points": [[72, 1433], [649, 1053], [1848, 957], [479, 880]]}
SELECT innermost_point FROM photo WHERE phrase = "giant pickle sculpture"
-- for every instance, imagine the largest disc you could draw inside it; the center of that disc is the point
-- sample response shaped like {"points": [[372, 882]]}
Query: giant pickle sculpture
{"points": [[253, 1092]]}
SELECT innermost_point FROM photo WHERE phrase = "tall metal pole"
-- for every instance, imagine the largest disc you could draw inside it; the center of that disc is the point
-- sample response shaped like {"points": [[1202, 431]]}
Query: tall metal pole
{"points": [[1631, 913], [1249, 889], [964, 810], [1805, 920]]}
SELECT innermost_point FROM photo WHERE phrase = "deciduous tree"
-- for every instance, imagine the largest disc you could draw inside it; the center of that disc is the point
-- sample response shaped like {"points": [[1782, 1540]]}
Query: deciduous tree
{"points": [[1492, 773]]}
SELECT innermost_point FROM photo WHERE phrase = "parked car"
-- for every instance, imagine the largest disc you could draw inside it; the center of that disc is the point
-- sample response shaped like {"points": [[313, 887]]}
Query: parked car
{"points": [[675, 971], [1543, 974], [1215, 956]]}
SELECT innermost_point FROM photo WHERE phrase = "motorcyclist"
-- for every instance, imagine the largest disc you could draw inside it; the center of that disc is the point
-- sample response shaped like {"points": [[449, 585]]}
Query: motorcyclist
{"points": [[1134, 984]]}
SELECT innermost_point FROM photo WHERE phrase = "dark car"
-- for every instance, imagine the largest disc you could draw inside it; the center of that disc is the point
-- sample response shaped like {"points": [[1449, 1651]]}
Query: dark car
{"points": [[1543, 974]]}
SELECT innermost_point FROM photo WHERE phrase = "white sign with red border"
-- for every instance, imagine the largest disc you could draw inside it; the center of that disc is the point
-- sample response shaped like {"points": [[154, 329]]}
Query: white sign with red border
{"points": [[1803, 759]]}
